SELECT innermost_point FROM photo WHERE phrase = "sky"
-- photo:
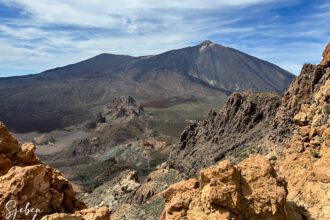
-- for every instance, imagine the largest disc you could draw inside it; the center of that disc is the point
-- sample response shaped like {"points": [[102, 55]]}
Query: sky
{"points": [[44, 34]]}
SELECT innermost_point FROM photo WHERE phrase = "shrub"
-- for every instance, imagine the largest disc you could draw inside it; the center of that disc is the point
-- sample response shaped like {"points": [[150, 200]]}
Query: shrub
{"points": [[314, 153], [273, 157]]}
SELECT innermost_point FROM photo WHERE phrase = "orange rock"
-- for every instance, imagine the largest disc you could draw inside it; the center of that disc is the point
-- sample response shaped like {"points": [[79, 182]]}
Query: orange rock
{"points": [[8, 144], [306, 162], [250, 190], [27, 156], [5, 164], [305, 131], [39, 186], [27, 184], [300, 119], [85, 214], [326, 137], [180, 187], [14, 154], [321, 170]]}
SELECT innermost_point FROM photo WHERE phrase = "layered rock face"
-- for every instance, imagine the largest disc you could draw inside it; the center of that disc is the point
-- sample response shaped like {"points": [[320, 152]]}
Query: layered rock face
{"points": [[234, 132], [250, 190], [124, 106], [27, 184], [299, 93]]}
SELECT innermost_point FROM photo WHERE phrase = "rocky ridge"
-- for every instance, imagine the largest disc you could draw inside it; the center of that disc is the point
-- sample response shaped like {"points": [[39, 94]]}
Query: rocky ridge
{"points": [[299, 93], [306, 157], [234, 132]]}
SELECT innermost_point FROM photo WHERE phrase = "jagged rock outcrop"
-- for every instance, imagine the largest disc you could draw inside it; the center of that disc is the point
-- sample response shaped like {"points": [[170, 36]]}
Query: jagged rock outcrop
{"points": [[12, 153], [234, 132], [306, 158], [250, 190], [118, 124], [300, 93], [120, 107], [26, 183]]}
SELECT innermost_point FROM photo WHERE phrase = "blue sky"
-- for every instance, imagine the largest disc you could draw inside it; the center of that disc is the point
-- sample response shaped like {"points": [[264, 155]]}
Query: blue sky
{"points": [[43, 34]]}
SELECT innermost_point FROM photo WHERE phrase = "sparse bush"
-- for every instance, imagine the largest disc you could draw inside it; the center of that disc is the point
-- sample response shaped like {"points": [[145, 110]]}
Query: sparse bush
{"points": [[273, 157], [314, 153]]}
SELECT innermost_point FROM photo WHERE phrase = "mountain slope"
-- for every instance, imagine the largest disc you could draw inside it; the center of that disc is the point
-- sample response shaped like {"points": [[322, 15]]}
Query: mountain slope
{"points": [[72, 94], [218, 66]]}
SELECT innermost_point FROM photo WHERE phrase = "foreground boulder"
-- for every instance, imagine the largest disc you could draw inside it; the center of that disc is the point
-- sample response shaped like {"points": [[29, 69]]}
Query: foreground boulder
{"points": [[86, 214], [27, 184], [250, 190]]}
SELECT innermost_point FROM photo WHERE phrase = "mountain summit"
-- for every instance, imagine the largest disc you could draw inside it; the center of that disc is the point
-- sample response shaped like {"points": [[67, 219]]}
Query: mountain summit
{"points": [[207, 43], [219, 67], [71, 94]]}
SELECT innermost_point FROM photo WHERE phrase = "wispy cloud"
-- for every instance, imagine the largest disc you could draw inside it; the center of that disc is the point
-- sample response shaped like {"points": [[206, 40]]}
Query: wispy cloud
{"points": [[37, 35]]}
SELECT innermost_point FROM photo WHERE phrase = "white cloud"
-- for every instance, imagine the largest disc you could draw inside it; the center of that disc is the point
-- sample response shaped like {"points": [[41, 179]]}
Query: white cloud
{"points": [[115, 14], [27, 33], [55, 33]]}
